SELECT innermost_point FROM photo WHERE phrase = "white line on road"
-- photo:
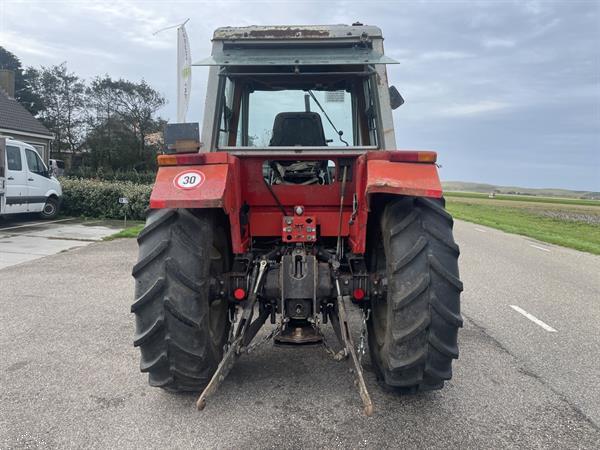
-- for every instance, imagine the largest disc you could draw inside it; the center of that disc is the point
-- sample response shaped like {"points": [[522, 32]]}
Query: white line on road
{"points": [[36, 223], [534, 319], [480, 230], [539, 248]]}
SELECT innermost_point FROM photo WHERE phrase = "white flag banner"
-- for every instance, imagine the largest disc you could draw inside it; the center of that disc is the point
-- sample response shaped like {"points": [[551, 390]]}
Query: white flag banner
{"points": [[184, 73]]}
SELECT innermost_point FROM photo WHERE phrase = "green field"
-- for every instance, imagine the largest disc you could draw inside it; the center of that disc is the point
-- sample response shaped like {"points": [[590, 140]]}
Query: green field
{"points": [[573, 223]]}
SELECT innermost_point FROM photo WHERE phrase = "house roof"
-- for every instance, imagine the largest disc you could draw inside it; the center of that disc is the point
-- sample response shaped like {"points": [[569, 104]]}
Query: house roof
{"points": [[14, 117]]}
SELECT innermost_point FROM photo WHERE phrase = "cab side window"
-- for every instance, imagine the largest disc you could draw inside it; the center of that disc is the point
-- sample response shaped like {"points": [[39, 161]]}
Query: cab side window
{"points": [[13, 157], [34, 162]]}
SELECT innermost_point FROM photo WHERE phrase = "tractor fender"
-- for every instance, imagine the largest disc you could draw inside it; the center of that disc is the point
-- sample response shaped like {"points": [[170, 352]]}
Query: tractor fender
{"points": [[402, 178], [378, 173], [216, 185], [208, 190]]}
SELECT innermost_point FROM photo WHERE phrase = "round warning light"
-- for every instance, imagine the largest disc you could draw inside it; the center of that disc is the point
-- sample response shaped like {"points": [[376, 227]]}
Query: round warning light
{"points": [[239, 294], [358, 294]]}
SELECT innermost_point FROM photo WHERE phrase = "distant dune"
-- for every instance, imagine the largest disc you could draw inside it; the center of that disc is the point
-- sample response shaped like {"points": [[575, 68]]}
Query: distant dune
{"points": [[463, 186]]}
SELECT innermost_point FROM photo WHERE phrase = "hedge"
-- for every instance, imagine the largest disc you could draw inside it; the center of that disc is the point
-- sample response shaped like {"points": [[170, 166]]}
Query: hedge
{"points": [[94, 198], [107, 175]]}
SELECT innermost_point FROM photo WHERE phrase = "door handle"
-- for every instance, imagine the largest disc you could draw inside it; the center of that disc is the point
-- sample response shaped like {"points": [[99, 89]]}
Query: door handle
{"points": [[10, 178], [30, 179]]}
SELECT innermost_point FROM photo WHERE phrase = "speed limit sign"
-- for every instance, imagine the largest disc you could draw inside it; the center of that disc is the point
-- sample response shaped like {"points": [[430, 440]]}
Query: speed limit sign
{"points": [[189, 179]]}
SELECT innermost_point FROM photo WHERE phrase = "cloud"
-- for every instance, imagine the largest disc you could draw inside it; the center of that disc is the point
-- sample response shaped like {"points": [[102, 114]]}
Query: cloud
{"points": [[498, 43], [20, 44], [473, 109], [444, 55], [135, 23]]}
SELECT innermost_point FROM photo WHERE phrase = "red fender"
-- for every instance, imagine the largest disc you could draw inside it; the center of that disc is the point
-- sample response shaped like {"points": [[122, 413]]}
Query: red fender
{"points": [[219, 188], [388, 172]]}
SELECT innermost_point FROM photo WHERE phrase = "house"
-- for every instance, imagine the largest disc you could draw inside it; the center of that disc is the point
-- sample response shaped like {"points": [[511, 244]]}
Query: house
{"points": [[17, 122]]}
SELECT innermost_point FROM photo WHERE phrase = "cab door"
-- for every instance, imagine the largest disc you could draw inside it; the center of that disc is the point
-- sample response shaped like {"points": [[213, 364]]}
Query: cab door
{"points": [[16, 181], [37, 180]]}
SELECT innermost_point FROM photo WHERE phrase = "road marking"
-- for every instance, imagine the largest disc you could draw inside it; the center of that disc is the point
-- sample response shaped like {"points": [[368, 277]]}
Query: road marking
{"points": [[36, 223], [534, 319], [480, 230], [539, 248]]}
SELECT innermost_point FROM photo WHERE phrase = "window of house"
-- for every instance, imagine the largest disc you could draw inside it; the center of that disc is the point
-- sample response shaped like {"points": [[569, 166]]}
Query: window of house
{"points": [[41, 149]]}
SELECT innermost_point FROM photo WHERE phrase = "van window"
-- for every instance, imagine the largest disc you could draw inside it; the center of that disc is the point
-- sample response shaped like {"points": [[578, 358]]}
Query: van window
{"points": [[34, 162], [13, 157]]}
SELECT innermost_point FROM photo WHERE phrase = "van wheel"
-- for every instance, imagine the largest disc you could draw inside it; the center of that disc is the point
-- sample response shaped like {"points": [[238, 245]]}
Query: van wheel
{"points": [[50, 210]]}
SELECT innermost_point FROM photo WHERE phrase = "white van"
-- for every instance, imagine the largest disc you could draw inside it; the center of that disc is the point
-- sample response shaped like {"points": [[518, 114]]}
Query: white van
{"points": [[26, 185]]}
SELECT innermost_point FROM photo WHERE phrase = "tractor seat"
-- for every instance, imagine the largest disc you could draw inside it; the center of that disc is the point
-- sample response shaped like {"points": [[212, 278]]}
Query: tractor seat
{"points": [[298, 128]]}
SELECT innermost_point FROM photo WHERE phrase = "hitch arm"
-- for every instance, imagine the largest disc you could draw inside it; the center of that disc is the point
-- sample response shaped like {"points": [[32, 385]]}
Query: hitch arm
{"points": [[233, 351], [349, 345]]}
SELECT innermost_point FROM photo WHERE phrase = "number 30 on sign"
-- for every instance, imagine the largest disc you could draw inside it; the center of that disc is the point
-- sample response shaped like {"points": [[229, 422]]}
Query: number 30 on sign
{"points": [[189, 179]]}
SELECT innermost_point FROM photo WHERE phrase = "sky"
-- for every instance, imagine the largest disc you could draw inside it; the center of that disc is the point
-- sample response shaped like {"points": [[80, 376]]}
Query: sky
{"points": [[507, 92]]}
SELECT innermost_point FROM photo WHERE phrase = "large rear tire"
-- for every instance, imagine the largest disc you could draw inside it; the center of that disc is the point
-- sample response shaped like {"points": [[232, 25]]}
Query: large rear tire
{"points": [[180, 329], [413, 331]]}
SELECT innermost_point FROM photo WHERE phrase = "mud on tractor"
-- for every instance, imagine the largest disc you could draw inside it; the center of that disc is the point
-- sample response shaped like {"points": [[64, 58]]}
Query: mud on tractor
{"points": [[292, 208]]}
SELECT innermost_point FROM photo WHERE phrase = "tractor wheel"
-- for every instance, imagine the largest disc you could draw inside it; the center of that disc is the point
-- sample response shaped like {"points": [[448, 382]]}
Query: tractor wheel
{"points": [[180, 329], [413, 331]]}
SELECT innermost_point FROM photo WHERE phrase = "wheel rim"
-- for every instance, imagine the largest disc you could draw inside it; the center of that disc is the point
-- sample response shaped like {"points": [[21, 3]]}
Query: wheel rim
{"points": [[49, 209]]}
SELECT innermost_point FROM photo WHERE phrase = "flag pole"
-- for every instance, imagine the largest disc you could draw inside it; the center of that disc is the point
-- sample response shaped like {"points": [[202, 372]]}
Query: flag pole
{"points": [[171, 27]]}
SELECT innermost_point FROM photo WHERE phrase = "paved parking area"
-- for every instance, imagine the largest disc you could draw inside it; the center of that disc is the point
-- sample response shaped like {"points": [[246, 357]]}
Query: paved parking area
{"points": [[26, 238]]}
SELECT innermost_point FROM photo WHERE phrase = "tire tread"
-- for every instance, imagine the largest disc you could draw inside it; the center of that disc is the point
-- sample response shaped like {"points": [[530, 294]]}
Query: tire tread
{"points": [[171, 305], [423, 300]]}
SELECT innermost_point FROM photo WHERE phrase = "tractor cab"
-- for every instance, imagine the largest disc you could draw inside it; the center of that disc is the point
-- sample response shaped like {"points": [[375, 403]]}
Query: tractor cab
{"points": [[280, 88]]}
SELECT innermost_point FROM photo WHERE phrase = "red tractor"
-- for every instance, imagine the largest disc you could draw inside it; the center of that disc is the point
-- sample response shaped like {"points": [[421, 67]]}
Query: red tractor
{"points": [[295, 205]]}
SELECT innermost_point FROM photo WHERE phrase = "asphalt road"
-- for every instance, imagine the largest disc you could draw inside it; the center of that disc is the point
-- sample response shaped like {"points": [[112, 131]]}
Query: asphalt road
{"points": [[69, 374]]}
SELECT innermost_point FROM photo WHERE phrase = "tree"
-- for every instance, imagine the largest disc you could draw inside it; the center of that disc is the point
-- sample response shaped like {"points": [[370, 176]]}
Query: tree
{"points": [[110, 119], [137, 103], [62, 95], [121, 118], [24, 93]]}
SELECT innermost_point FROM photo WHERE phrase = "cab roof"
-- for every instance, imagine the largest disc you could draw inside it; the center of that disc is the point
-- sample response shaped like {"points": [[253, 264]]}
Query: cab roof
{"points": [[296, 45], [297, 32]]}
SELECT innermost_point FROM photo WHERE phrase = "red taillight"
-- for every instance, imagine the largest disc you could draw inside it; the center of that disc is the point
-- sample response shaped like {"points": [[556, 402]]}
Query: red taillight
{"points": [[187, 159], [358, 294], [404, 156], [239, 294]]}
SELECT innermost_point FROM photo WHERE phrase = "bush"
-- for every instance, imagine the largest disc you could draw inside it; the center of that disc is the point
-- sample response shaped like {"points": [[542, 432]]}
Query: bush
{"points": [[94, 198], [119, 175]]}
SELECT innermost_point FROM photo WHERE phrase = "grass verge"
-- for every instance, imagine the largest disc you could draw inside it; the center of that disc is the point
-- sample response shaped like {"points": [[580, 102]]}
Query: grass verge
{"points": [[528, 222], [129, 232]]}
